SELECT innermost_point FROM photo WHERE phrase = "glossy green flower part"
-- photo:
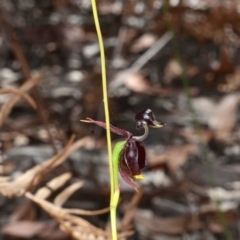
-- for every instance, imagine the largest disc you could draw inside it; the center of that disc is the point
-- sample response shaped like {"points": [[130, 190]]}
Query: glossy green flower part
{"points": [[132, 157]]}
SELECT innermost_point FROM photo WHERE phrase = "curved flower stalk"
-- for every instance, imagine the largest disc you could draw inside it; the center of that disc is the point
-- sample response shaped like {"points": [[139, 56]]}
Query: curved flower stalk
{"points": [[130, 156]]}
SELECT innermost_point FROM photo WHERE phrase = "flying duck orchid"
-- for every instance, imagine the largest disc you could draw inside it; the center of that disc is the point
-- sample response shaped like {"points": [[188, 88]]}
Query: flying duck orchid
{"points": [[131, 154]]}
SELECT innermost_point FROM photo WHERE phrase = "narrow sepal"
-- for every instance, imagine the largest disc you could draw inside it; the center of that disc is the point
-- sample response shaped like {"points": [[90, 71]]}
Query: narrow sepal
{"points": [[113, 129], [126, 174]]}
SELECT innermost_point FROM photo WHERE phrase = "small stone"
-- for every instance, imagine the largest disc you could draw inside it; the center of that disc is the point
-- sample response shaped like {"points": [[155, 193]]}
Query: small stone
{"points": [[21, 140], [8, 75], [75, 76]]}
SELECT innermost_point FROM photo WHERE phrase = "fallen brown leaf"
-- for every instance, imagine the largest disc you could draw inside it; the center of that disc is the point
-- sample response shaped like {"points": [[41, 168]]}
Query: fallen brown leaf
{"points": [[62, 197], [173, 71], [144, 42], [185, 223], [129, 213], [53, 185], [75, 226], [23, 229], [224, 117], [196, 136], [25, 211], [175, 157], [33, 176], [137, 83]]}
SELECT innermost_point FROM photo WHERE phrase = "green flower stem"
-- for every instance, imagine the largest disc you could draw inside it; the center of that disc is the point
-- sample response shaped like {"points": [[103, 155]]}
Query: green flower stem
{"points": [[113, 168]]}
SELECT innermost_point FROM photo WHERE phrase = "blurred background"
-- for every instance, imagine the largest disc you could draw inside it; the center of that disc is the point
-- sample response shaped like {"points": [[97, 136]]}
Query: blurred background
{"points": [[179, 58]]}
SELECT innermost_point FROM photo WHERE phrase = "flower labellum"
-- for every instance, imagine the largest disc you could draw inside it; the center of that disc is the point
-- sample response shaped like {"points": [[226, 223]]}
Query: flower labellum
{"points": [[147, 118]]}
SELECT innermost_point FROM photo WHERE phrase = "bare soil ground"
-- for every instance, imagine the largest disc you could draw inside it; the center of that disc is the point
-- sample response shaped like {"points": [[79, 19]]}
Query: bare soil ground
{"points": [[180, 59]]}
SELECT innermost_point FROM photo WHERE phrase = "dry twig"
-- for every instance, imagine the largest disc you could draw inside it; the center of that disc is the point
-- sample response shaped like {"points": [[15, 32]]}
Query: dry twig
{"points": [[20, 93], [7, 106]]}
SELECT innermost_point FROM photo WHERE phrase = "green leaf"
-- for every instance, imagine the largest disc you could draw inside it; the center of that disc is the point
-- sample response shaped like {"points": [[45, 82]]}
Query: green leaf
{"points": [[116, 155]]}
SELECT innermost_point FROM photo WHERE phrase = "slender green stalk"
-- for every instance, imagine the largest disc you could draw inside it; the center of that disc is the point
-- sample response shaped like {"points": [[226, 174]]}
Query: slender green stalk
{"points": [[113, 175]]}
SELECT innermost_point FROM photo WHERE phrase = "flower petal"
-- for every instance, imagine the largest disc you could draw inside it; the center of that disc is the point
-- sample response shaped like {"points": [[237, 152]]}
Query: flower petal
{"points": [[130, 153], [125, 172], [142, 162], [113, 129]]}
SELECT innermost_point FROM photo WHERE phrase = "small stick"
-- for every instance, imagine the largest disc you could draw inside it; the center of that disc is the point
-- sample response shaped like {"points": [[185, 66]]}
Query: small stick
{"points": [[141, 61]]}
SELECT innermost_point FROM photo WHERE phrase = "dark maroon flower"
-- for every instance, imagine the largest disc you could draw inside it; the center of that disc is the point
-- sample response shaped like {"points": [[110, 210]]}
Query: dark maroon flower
{"points": [[132, 160], [133, 156]]}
